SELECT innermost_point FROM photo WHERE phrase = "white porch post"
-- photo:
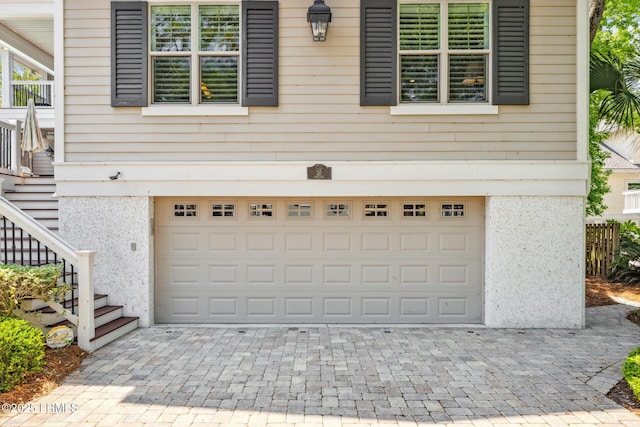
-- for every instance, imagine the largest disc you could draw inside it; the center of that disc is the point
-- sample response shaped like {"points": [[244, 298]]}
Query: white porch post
{"points": [[86, 323], [7, 76], [16, 151]]}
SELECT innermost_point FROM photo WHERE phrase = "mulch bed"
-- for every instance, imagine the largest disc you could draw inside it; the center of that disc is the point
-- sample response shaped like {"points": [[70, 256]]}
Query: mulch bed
{"points": [[58, 365], [622, 394]]}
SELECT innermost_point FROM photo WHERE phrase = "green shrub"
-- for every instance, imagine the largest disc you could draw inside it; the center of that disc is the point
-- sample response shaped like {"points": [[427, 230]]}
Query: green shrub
{"points": [[19, 282], [626, 267], [631, 371], [21, 351]]}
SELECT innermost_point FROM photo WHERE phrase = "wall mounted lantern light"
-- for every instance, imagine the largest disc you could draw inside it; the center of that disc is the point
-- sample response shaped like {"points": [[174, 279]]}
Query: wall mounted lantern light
{"points": [[319, 16]]}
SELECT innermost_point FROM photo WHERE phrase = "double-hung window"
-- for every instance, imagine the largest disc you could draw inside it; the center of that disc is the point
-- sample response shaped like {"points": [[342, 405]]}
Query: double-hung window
{"points": [[195, 54], [443, 56], [443, 52], [194, 57]]}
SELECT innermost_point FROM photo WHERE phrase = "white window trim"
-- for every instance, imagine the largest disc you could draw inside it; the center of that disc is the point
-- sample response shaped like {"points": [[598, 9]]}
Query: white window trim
{"points": [[630, 181], [443, 107], [193, 110]]}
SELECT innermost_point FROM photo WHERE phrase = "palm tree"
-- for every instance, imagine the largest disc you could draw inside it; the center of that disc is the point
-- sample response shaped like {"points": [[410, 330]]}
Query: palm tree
{"points": [[617, 85]]}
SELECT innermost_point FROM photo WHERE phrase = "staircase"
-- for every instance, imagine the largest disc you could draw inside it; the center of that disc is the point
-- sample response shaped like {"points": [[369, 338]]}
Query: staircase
{"points": [[110, 323], [35, 196]]}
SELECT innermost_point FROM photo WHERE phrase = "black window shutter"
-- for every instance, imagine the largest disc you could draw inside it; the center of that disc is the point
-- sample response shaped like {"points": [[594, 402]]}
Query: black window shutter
{"points": [[378, 52], [129, 54], [510, 50], [260, 53]]}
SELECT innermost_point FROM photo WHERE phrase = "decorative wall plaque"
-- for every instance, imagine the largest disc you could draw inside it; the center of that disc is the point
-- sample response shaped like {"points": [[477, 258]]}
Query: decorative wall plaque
{"points": [[318, 171]]}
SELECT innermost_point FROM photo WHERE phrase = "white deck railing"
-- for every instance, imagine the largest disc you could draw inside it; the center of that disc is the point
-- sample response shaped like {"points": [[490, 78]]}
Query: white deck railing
{"points": [[10, 162], [631, 202], [41, 91], [81, 260]]}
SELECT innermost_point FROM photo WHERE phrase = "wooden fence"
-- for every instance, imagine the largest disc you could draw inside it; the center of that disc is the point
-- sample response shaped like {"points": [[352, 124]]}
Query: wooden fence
{"points": [[602, 245]]}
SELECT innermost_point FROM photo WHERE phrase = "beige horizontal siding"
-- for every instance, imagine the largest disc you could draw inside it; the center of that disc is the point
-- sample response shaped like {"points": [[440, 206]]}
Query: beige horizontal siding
{"points": [[319, 116]]}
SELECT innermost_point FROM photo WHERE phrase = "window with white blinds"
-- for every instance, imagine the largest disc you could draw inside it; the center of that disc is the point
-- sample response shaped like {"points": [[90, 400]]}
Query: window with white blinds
{"points": [[443, 52], [195, 51]]}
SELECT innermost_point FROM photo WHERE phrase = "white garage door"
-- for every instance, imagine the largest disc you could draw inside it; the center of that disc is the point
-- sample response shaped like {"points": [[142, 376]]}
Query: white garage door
{"points": [[318, 260]]}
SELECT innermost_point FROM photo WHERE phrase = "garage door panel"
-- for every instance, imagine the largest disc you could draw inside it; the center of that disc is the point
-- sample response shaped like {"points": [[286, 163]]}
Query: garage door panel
{"points": [[338, 308], [223, 307], [411, 242], [185, 243], [299, 242], [337, 275], [375, 242], [376, 307], [320, 269], [261, 307], [186, 307], [376, 275], [414, 308], [261, 242], [185, 274], [261, 274], [226, 274], [223, 242], [453, 274], [414, 275], [337, 241], [299, 308], [296, 275]]}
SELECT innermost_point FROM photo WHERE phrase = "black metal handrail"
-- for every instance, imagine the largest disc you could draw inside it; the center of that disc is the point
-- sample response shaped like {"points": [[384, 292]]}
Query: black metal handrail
{"points": [[19, 247]]}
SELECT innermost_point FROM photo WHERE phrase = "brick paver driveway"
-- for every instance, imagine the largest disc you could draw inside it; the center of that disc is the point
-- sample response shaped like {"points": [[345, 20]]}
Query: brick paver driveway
{"points": [[350, 376]]}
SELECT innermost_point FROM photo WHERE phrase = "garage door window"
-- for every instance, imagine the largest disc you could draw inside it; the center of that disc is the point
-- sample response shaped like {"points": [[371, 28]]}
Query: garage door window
{"points": [[342, 210], [372, 210], [261, 210], [299, 210], [223, 210], [182, 210], [414, 210], [450, 210]]}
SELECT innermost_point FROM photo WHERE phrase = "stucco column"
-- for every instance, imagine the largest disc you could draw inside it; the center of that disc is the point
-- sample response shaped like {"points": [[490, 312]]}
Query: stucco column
{"points": [[120, 230], [534, 262]]}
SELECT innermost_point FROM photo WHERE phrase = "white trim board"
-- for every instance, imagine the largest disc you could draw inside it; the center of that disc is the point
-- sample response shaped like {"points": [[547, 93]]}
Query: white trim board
{"points": [[485, 178]]}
